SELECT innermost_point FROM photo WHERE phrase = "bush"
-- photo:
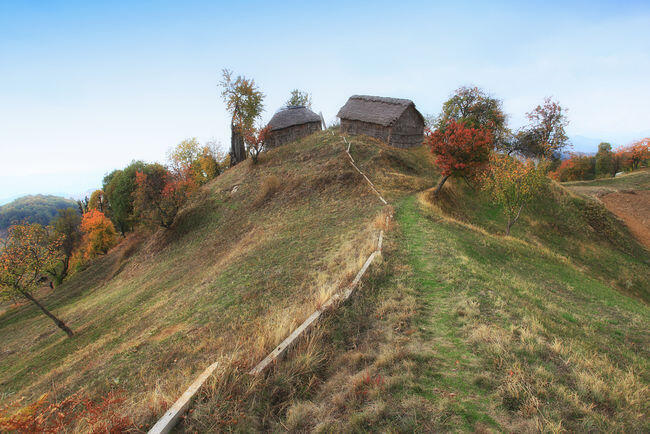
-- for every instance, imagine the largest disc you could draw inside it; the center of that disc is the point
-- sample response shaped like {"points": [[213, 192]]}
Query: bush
{"points": [[270, 185]]}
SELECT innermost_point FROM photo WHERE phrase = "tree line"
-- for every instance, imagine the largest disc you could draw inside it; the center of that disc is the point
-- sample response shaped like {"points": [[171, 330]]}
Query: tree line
{"points": [[606, 163], [139, 195], [471, 140]]}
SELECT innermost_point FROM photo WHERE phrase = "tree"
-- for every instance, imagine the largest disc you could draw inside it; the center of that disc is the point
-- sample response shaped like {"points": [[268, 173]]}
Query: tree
{"points": [[119, 187], [39, 209], [476, 109], [208, 164], [544, 137], [97, 201], [99, 234], [575, 168], [256, 139], [26, 255], [82, 205], [67, 229], [190, 159], [244, 102], [160, 194], [512, 184], [460, 150], [634, 155], [299, 97], [605, 160]]}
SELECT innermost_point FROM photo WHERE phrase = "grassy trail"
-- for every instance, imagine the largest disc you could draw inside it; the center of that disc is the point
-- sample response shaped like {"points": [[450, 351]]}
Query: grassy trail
{"points": [[520, 339]]}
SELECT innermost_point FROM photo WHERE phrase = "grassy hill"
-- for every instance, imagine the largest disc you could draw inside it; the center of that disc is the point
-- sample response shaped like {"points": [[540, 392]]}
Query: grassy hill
{"points": [[35, 209], [457, 327]]}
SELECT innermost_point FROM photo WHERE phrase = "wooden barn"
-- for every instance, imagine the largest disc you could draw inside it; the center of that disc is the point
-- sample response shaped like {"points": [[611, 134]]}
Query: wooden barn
{"points": [[292, 123], [392, 120]]}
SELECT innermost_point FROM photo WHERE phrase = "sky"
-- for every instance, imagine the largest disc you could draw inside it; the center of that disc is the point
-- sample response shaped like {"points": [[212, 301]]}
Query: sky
{"points": [[87, 87]]}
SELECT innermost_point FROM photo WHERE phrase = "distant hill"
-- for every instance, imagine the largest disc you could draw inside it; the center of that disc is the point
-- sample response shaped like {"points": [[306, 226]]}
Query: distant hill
{"points": [[34, 209]]}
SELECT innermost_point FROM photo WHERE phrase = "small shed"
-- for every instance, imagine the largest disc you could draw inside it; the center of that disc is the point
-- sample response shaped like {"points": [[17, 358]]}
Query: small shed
{"points": [[392, 120], [292, 123]]}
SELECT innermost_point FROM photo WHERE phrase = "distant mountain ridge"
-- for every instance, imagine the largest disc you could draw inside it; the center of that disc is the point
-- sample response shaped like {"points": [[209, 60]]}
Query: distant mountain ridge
{"points": [[33, 209]]}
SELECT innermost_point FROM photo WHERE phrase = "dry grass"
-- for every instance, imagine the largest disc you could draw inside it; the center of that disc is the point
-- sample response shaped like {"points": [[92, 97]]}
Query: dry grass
{"points": [[231, 279], [454, 328]]}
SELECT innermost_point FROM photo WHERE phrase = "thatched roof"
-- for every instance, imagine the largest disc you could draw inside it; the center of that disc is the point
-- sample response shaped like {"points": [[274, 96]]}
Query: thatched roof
{"points": [[292, 115], [374, 109]]}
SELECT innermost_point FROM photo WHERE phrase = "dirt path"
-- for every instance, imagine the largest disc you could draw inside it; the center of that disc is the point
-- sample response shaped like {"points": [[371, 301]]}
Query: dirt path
{"points": [[633, 207]]}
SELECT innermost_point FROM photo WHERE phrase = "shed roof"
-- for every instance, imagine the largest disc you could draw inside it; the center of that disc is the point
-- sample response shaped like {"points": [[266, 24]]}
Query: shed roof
{"points": [[292, 115], [374, 109]]}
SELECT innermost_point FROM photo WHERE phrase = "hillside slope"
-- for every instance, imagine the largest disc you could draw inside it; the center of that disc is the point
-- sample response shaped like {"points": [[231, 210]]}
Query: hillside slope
{"points": [[627, 196], [249, 259], [457, 328], [461, 328]]}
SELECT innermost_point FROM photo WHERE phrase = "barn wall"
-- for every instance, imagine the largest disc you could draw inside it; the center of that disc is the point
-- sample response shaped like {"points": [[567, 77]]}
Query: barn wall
{"points": [[408, 130], [291, 134], [358, 127]]}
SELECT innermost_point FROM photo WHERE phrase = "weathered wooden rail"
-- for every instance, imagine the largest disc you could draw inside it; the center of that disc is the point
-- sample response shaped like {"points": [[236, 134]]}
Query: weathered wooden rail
{"points": [[167, 422]]}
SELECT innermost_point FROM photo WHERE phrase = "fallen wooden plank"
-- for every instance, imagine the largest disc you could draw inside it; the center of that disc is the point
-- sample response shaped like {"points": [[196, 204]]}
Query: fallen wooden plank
{"points": [[170, 418]]}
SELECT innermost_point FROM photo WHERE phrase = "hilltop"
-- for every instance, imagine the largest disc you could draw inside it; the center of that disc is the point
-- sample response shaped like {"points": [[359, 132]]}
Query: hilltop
{"points": [[35, 209], [456, 327]]}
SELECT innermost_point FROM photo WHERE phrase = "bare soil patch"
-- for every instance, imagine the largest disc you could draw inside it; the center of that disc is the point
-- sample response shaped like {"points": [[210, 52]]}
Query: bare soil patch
{"points": [[633, 207]]}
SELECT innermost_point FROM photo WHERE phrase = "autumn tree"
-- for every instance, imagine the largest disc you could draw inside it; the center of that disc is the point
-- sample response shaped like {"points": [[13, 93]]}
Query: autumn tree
{"points": [[605, 160], [82, 205], [513, 184], [575, 168], [99, 234], [244, 101], [298, 97], [191, 159], [634, 155], [256, 140], [160, 194], [544, 136], [27, 253], [476, 109], [67, 229], [460, 150], [97, 201], [119, 187]]}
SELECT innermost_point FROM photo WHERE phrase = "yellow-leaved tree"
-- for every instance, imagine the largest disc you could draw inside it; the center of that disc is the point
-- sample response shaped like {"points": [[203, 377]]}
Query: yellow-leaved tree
{"points": [[512, 184]]}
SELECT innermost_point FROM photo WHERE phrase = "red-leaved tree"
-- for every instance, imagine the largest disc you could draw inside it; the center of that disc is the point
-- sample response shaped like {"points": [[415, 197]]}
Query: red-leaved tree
{"points": [[255, 139], [460, 150], [160, 194]]}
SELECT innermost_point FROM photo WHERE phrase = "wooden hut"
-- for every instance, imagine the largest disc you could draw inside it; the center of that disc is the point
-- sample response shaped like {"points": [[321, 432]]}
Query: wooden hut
{"points": [[392, 120], [292, 123]]}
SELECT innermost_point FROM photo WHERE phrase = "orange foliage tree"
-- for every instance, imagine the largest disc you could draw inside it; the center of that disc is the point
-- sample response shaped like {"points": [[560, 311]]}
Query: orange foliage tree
{"points": [[460, 150], [635, 155], [99, 234], [575, 168], [513, 184], [28, 252], [160, 194]]}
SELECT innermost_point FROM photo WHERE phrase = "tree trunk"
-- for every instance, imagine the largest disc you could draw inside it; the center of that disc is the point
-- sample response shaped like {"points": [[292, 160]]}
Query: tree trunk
{"points": [[513, 221], [440, 184], [57, 321], [237, 148], [64, 270]]}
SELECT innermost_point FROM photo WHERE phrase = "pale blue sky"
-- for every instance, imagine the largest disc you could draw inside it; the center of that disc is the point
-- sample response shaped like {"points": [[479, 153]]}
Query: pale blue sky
{"points": [[86, 87]]}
